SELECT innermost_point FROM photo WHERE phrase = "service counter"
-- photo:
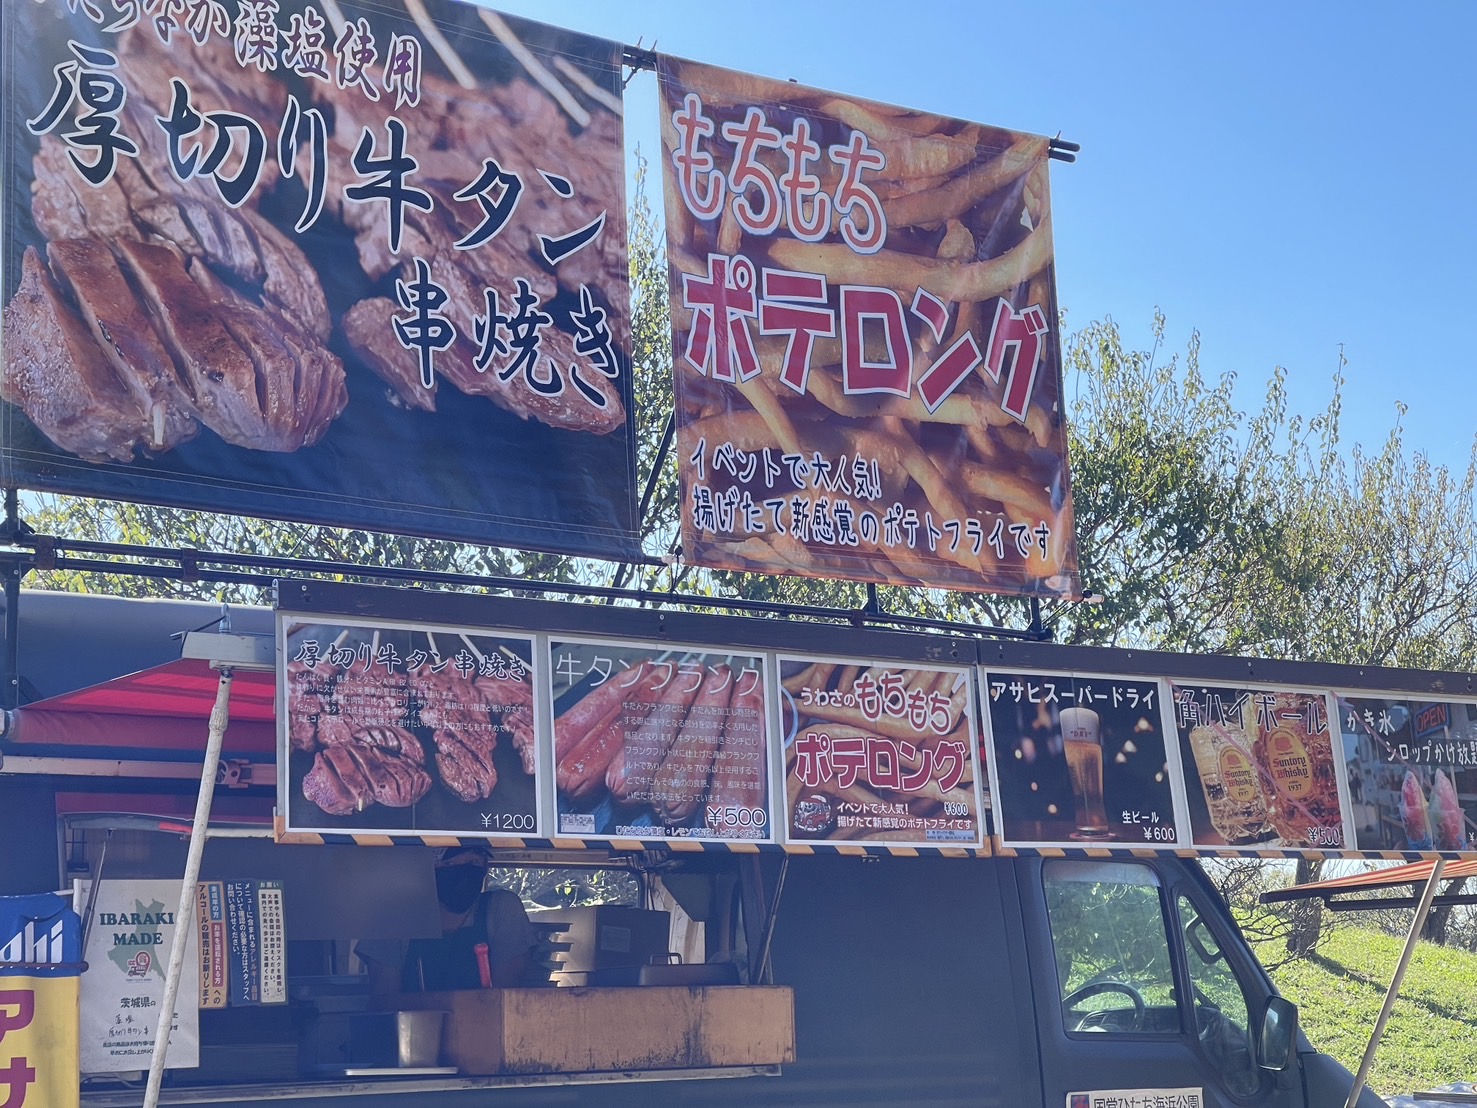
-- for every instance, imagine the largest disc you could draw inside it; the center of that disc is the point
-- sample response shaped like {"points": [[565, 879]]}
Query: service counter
{"points": [[525, 1037], [579, 1030]]}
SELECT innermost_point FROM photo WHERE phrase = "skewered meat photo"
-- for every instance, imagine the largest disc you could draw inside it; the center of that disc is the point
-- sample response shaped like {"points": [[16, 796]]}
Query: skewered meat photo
{"points": [[397, 728], [274, 276], [660, 743]]}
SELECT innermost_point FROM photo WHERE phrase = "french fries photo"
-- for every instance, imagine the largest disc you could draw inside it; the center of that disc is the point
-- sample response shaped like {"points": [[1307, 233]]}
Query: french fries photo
{"points": [[867, 371], [881, 753]]}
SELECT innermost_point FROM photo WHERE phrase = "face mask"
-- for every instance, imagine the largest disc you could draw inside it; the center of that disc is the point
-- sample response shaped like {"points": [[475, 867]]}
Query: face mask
{"points": [[457, 887]]}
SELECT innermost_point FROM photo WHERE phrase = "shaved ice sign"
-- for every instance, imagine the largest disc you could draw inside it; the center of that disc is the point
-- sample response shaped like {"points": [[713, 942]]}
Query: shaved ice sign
{"points": [[1412, 769]]}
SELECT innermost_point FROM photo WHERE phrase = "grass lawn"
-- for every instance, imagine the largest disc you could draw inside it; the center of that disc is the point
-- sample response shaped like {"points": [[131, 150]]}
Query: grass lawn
{"points": [[1431, 1038]]}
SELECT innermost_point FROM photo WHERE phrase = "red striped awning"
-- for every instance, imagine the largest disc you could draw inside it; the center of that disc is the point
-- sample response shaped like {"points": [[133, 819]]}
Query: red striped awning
{"points": [[166, 707]]}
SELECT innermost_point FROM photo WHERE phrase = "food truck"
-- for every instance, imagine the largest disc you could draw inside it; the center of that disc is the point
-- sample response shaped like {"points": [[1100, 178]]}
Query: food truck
{"points": [[363, 264], [814, 961]]}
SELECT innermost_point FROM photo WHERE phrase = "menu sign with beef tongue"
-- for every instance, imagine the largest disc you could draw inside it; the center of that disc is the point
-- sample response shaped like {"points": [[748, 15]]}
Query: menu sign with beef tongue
{"points": [[393, 728], [372, 257], [656, 741]]}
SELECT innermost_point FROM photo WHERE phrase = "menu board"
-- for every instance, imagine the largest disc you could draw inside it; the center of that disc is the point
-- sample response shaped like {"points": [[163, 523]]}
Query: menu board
{"points": [[1412, 768], [652, 741], [1259, 766], [879, 752], [398, 728], [1080, 760]]}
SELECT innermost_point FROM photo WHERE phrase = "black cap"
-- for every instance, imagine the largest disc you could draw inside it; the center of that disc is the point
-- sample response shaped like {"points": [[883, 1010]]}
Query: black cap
{"points": [[464, 853]]}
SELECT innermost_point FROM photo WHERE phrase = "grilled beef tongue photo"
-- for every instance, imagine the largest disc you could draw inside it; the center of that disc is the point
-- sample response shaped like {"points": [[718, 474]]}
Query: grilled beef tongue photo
{"points": [[58, 374]]}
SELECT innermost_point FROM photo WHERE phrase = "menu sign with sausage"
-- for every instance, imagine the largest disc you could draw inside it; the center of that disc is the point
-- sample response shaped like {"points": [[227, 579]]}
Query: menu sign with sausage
{"points": [[397, 728], [1080, 760], [371, 255], [1260, 767], [879, 752], [652, 741], [865, 348], [1412, 767]]}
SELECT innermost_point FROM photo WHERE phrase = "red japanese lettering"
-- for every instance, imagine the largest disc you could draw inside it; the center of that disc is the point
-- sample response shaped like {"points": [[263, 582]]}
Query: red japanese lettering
{"points": [[932, 310], [719, 341], [813, 759], [950, 758], [884, 770], [1017, 335], [15, 1078], [798, 320], [859, 374], [849, 758], [922, 771], [749, 137], [865, 235], [949, 371], [17, 1009], [801, 186]]}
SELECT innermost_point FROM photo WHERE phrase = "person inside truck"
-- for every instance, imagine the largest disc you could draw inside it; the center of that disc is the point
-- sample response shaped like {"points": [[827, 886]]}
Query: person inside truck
{"points": [[470, 915]]}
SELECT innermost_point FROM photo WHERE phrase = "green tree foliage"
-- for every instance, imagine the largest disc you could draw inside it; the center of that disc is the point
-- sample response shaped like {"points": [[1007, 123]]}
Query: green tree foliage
{"points": [[1207, 528]]}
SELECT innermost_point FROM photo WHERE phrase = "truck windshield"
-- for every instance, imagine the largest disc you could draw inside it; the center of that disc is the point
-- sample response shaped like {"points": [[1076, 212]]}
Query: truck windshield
{"points": [[1112, 949]]}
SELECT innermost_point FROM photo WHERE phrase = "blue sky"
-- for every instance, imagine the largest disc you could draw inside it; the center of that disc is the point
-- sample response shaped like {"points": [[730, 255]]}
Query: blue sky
{"points": [[1284, 177]]}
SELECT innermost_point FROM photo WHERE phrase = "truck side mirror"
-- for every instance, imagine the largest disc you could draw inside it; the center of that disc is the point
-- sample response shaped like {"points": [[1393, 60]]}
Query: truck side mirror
{"points": [[1279, 1034]]}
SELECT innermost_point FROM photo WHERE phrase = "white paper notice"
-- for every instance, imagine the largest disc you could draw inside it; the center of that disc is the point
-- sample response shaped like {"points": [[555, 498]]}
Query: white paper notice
{"points": [[132, 929]]}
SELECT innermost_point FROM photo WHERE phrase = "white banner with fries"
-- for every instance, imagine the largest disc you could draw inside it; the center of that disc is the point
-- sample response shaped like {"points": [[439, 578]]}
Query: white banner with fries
{"points": [[866, 359], [880, 753]]}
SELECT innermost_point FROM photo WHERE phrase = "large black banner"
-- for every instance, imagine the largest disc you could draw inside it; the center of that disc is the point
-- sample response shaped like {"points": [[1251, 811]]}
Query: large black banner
{"points": [[342, 262]]}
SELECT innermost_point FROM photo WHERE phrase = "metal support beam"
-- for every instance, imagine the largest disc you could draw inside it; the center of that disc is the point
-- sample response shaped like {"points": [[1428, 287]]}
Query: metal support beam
{"points": [[264, 571], [185, 917], [1419, 922], [14, 532]]}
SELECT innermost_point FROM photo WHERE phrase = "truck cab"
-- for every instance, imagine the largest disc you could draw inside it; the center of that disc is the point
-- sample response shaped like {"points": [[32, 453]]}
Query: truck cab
{"points": [[1029, 980]]}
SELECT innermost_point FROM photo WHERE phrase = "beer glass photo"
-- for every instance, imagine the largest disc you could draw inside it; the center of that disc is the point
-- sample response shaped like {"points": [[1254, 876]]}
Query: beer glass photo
{"points": [[1082, 738], [1080, 759]]}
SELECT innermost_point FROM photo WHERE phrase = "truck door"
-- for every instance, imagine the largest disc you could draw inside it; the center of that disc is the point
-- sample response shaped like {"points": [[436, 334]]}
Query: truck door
{"points": [[1137, 991]]}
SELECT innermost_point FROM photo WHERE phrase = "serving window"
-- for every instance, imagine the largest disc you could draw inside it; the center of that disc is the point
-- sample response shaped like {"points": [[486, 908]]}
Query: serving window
{"points": [[640, 964]]}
